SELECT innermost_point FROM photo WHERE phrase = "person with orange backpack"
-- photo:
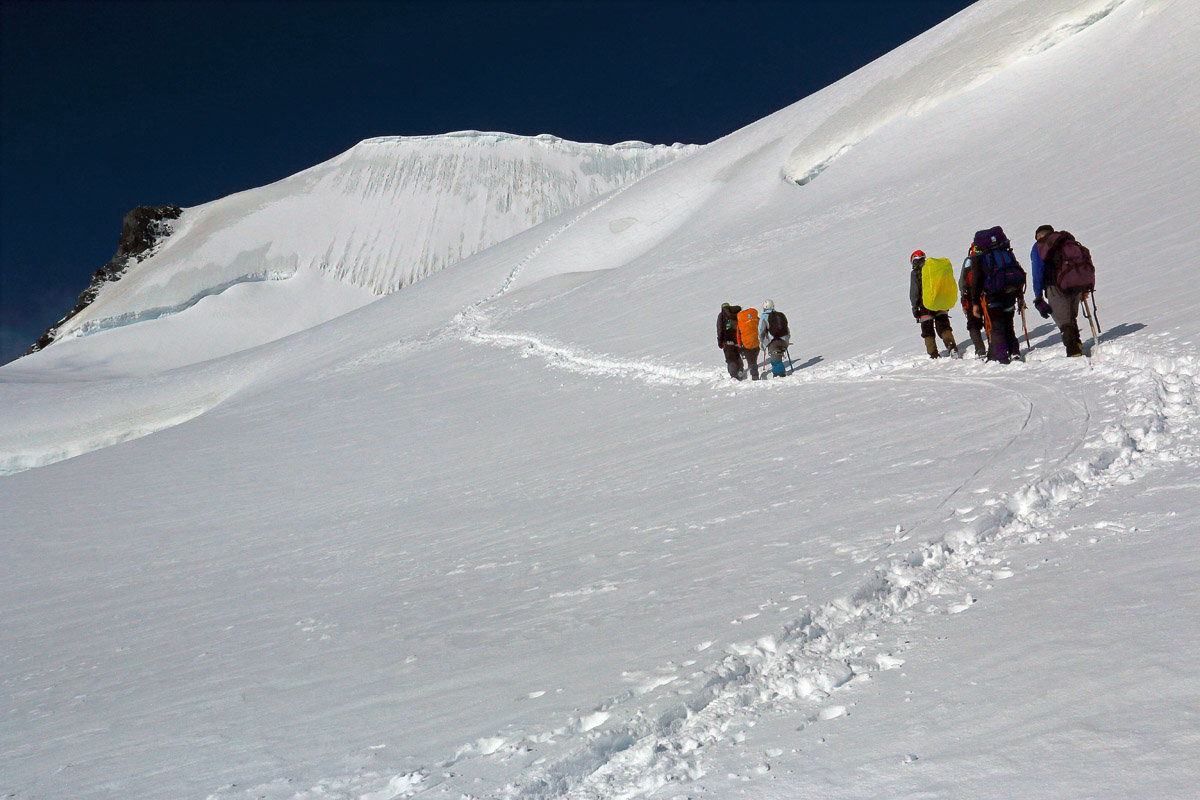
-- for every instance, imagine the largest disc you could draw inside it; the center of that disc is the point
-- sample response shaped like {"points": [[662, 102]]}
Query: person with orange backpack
{"points": [[728, 340], [748, 339], [931, 319]]}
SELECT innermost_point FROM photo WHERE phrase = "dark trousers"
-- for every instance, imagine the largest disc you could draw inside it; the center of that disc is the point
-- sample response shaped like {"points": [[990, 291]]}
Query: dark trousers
{"points": [[751, 354], [939, 321], [733, 360], [975, 329], [1002, 336]]}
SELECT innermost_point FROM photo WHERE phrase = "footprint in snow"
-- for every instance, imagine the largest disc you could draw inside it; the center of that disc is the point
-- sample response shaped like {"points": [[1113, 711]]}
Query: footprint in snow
{"points": [[832, 712], [958, 608], [888, 662]]}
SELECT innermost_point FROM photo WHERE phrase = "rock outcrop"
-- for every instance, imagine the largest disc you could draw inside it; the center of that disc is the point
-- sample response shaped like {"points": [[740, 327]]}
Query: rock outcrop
{"points": [[142, 229]]}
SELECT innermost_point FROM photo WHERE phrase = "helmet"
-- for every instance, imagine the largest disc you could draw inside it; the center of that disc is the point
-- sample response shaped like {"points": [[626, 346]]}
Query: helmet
{"points": [[768, 305], [917, 255]]}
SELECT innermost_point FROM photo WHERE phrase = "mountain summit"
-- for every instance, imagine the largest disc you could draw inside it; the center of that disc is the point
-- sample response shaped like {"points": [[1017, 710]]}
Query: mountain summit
{"points": [[383, 215]]}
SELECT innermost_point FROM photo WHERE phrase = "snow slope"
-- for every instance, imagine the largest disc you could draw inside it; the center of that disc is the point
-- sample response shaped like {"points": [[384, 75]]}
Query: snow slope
{"points": [[380, 216], [509, 533]]}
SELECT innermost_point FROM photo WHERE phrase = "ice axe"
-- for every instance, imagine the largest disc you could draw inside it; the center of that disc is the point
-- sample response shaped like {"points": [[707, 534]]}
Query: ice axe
{"points": [[1025, 327]]}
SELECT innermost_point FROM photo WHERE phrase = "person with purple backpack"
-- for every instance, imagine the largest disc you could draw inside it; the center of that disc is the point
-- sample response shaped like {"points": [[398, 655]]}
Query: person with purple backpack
{"points": [[1062, 270], [997, 288]]}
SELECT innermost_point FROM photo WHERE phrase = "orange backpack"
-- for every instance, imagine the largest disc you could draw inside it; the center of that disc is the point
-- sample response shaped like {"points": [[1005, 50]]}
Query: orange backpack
{"points": [[748, 329]]}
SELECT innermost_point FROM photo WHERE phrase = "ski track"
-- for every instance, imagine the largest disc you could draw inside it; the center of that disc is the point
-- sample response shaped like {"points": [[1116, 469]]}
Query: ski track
{"points": [[643, 739]]}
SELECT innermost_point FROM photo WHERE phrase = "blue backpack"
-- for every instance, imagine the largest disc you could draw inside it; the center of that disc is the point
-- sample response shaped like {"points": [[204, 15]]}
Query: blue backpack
{"points": [[1002, 275]]}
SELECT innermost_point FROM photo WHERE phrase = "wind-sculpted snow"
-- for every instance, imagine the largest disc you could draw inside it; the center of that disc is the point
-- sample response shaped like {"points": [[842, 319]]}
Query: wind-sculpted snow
{"points": [[966, 51], [382, 216]]}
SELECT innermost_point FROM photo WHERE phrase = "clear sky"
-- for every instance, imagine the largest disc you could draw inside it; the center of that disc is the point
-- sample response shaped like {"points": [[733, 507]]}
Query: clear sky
{"points": [[105, 106]]}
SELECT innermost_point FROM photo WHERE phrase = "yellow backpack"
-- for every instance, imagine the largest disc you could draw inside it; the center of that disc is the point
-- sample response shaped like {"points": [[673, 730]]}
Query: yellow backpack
{"points": [[938, 289], [748, 329]]}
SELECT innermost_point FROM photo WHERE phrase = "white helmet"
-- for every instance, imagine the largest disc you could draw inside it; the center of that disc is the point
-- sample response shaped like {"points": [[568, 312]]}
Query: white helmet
{"points": [[768, 305]]}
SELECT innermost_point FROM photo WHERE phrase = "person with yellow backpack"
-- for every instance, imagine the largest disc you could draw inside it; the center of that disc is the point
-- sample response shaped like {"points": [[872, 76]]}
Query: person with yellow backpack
{"points": [[932, 291]]}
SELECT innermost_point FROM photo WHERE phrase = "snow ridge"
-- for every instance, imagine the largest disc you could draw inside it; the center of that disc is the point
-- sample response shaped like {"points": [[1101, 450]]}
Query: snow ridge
{"points": [[383, 215], [953, 68]]}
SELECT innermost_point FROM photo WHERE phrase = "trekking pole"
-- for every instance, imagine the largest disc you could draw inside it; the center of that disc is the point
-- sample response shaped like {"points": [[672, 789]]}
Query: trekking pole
{"points": [[1088, 316], [1096, 316], [1028, 345]]}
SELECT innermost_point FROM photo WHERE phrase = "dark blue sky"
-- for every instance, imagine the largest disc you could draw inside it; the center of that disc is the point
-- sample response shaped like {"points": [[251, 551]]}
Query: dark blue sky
{"points": [[105, 106]]}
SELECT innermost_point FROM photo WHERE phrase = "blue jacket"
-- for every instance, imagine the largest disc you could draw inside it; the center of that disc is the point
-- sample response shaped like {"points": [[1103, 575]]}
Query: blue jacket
{"points": [[1037, 269]]}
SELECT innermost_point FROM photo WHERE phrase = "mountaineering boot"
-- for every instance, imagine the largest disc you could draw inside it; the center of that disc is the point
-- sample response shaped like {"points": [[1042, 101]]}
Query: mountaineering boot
{"points": [[951, 345], [980, 347], [931, 346], [1070, 335]]}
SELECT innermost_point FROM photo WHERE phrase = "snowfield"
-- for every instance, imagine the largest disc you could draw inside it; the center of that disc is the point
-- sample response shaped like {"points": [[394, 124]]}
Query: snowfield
{"points": [[511, 533]]}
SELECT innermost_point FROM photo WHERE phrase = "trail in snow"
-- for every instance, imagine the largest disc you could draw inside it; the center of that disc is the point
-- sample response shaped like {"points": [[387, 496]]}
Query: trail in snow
{"points": [[651, 745], [637, 742]]}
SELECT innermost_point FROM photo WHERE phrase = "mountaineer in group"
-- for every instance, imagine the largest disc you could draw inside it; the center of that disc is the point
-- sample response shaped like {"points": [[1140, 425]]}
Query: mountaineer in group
{"points": [[974, 323], [997, 289], [932, 292], [747, 326], [728, 340], [774, 336], [1062, 270]]}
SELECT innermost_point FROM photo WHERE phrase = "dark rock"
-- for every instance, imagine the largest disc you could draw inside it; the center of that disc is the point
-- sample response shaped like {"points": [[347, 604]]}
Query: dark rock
{"points": [[142, 229]]}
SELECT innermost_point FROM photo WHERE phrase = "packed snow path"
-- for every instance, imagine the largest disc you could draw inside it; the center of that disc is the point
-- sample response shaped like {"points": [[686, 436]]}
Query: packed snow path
{"points": [[1093, 425]]}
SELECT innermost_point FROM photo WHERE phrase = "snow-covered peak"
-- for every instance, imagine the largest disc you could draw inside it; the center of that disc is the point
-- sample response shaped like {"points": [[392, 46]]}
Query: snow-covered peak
{"points": [[382, 215]]}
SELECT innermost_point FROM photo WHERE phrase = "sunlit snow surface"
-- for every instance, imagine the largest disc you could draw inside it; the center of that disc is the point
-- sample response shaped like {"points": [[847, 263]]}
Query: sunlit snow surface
{"points": [[381, 216], [510, 533]]}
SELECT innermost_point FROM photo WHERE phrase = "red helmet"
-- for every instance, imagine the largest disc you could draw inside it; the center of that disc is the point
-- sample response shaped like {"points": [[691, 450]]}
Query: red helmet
{"points": [[916, 254]]}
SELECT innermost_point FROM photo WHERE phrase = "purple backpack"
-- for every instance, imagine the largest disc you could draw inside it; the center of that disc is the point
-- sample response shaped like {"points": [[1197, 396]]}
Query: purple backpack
{"points": [[1002, 275], [1071, 262]]}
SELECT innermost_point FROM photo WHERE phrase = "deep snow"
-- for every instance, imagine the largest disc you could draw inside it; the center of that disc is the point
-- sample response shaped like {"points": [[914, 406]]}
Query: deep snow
{"points": [[509, 532]]}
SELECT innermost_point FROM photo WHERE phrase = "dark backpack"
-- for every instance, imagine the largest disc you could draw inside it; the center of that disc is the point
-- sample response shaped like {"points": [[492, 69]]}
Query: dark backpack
{"points": [[777, 325], [1002, 275], [729, 324], [1070, 262]]}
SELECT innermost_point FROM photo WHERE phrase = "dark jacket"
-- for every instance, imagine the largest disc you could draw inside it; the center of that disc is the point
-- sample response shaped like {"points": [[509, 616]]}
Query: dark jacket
{"points": [[916, 293], [978, 296], [727, 329], [964, 282], [975, 281]]}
